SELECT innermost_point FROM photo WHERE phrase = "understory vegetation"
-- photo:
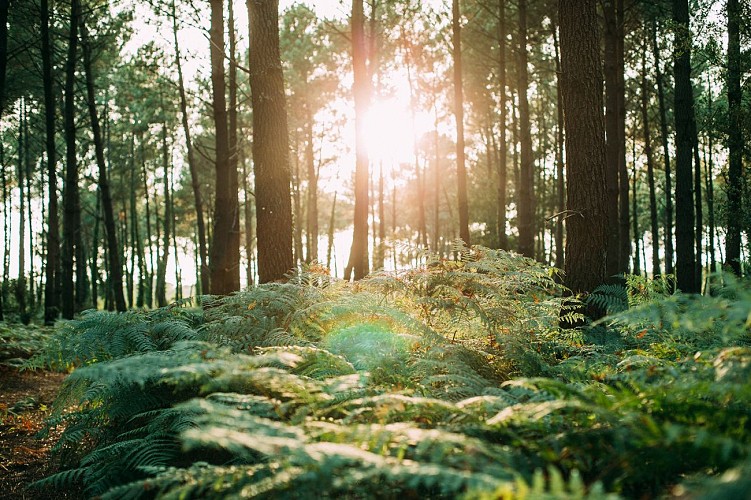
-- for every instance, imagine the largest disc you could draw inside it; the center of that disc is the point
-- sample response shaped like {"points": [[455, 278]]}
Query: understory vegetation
{"points": [[450, 380]]}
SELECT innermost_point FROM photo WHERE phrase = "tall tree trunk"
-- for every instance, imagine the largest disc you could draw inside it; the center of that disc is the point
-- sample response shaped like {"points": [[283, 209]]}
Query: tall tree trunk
{"points": [[149, 275], [270, 144], [29, 219], [611, 128], [502, 146], [461, 169], [136, 241], [669, 269], [709, 186], [526, 202], [233, 252], [634, 211], [560, 144], [611, 131], [248, 207], [222, 270], [95, 253], [684, 208], [195, 182], [52, 267], [699, 227], [735, 140], [172, 222], [330, 235], [380, 259], [71, 207], [297, 212], [161, 272], [581, 86], [7, 228], [311, 229], [109, 217], [650, 166], [357, 266], [436, 180], [624, 252], [21, 173]]}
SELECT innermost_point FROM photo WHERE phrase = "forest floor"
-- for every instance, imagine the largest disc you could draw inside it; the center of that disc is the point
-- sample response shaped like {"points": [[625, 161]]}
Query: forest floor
{"points": [[25, 402]]}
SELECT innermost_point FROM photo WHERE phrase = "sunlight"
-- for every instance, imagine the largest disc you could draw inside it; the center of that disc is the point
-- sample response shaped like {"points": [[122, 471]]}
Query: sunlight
{"points": [[389, 133]]}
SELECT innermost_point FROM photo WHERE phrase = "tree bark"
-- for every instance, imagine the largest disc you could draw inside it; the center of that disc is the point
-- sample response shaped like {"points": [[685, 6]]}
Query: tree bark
{"points": [[624, 252], [21, 174], [357, 266], [611, 131], [270, 144], [684, 227], [526, 201], [502, 144], [461, 169], [115, 270], [225, 275], [71, 207], [312, 215], [735, 140], [161, 269], [581, 87], [560, 145]]}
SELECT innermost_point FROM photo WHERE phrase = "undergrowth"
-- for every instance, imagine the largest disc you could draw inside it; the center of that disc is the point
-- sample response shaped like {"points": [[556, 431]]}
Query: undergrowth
{"points": [[449, 380]]}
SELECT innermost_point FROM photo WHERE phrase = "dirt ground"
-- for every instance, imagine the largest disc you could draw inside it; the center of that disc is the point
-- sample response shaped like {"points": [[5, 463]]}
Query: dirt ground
{"points": [[25, 402]]}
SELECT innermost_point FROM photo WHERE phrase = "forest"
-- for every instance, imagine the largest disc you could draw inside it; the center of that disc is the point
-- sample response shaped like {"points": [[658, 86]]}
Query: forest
{"points": [[487, 249]]}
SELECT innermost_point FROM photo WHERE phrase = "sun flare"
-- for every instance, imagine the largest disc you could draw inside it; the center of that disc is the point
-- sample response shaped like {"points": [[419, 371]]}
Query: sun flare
{"points": [[390, 133]]}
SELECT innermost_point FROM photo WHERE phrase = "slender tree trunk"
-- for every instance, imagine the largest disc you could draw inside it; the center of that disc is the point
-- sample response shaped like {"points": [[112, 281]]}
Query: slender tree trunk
{"points": [[357, 266], [380, 260], [222, 270], [311, 230], [624, 252], [195, 182], [709, 186], [21, 172], [7, 228], [581, 87], [52, 267], [270, 144], [502, 146], [137, 242], [684, 208], [233, 252], [560, 144], [526, 205], [161, 273], [109, 217], [248, 207], [436, 181], [635, 213], [650, 166], [297, 213], [148, 275], [71, 207], [461, 169], [332, 223], [699, 228], [95, 252], [178, 272], [29, 219], [735, 140], [666, 154]]}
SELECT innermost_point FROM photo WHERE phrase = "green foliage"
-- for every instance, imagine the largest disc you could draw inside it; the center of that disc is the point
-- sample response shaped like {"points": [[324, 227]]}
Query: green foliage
{"points": [[453, 380]]}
